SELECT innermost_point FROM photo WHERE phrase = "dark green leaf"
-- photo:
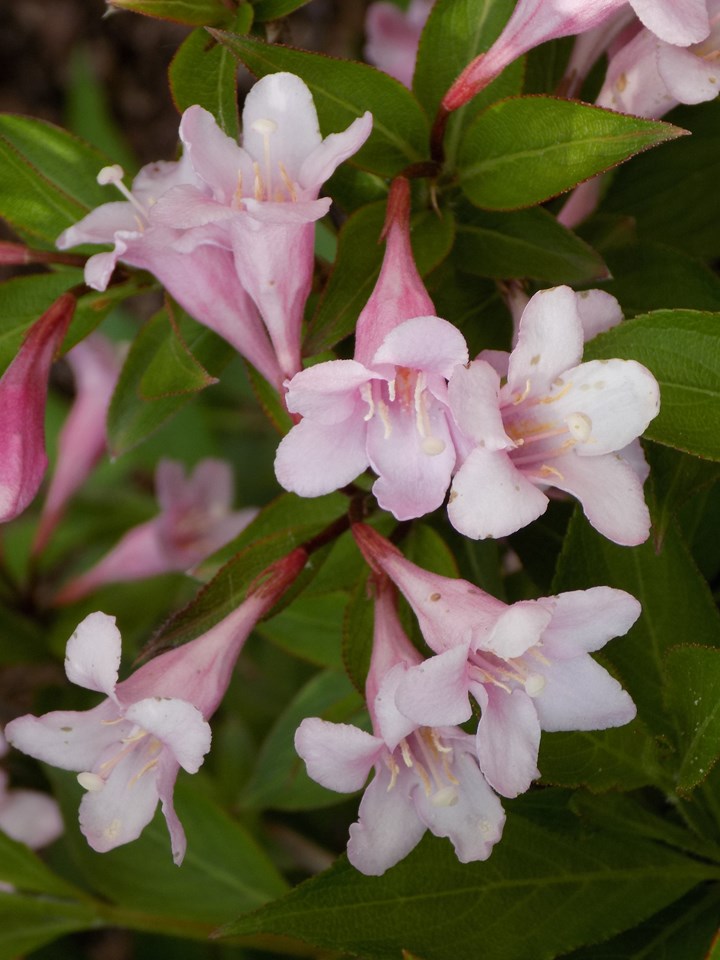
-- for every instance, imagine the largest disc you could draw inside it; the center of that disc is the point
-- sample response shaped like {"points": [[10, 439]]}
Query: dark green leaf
{"points": [[25, 871], [28, 922], [568, 889], [195, 13], [675, 478], [205, 72], [682, 349], [48, 177], [675, 601], [274, 9], [526, 243], [694, 697], [524, 150], [310, 628], [343, 90], [279, 779], [358, 633], [360, 254]]}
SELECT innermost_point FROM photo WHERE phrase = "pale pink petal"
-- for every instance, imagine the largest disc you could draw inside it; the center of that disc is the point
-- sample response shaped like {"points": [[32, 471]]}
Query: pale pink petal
{"points": [[518, 628], [215, 158], [166, 776], [314, 458], [177, 724], [474, 821], [170, 483], [69, 739], [30, 817], [283, 213], [550, 339], [579, 694], [388, 827], [99, 268], [474, 396], [280, 126], [689, 78], [599, 311], [681, 23], [388, 721], [327, 392], [211, 486], [583, 201], [491, 498], [392, 39], [424, 343], [435, 693], [617, 399], [634, 455], [92, 655], [320, 165], [337, 755], [185, 206], [411, 481], [100, 225], [584, 620], [610, 493], [508, 738]]}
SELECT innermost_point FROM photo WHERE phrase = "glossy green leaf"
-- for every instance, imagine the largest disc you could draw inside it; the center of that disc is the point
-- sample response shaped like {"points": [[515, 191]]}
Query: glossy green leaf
{"points": [[274, 9], [310, 628], [223, 867], [622, 758], [195, 13], [570, 889], [204, 72], [675, 600], [526, 243], [279, 779], [28, 922], [343, 90], [675, 478], [682, 349], [524, 150], [359, 256], [694, 698], [358, 633], [47, 177], [161, 374]]}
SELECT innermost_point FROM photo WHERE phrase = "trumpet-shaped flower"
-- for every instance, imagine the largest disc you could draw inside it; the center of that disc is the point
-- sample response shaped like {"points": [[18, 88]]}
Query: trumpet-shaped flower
{"points": [[393, 36], [536, 21], [195, 520], [23, 392], [426, 778], [28, 816], [386, 408], [95, 363], [554, 422], [128, 750], [527, 665]]}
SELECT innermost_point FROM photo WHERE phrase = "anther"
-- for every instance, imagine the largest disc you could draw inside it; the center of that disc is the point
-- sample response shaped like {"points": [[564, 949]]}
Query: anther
{"points": [[114, 174]]}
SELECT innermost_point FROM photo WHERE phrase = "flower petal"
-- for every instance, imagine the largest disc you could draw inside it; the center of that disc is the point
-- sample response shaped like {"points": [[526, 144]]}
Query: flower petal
{"points": [[518, 628], [689, 78], [320, 165], [92, 655], [424, 343], [337, 755], [177, 724], [317, 458], [550, 339], [215, 157], [679, 23], [435, 693], [508, 739], [579, 694], [166, 776], [30, 817], [584, 620], [388, 721], [599, 311], [327, 392], [491, 498], [474, 396], [69, 739]]}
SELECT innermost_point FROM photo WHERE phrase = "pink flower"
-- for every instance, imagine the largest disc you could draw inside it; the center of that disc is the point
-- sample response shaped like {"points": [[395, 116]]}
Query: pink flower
{"points": [[95, 363], [195, 520], [527, 665], [393, 36], [128, 750], [23, 392], [386, 408], [260, 200], [426, 778], [28, 816], [554, 422], [536, 21]]}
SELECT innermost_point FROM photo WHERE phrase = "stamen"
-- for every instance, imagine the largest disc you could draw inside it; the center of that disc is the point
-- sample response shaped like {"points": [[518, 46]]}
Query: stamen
{"points": [[406, 753], [534, 652], [446, 797], [366, 394], [521, 396], [394, 770], [558, 395], [292, 193], [391, 390], [258, 185], [430, 445], [238, 195], [148, 766], [266, 127], [384, 416], [114, 175]]}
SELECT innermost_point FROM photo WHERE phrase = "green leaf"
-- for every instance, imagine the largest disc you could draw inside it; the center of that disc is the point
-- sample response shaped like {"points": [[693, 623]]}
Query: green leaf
{"points": [[673, 195], [622, 758], [358, 633], [223, 867], [148, 392], [357, 266], [524, 150], [682, 349], [25, 871], [274, 9], [343, 90], [675, 478], [47, 177], [526, 243], [310, 628], [279, 779], [694, 697], [569, 890], [675, 602], [195, 13], [204, 72], [28, 922]]}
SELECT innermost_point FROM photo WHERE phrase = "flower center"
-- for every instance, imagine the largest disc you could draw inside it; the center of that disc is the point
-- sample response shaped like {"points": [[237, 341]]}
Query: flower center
{"points": [[135, 741], [407, 394], [268, 184], [425, 753], [509, 675]]}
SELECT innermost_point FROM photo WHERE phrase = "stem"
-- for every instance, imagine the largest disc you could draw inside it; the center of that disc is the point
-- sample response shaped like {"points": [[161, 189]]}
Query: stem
{"points": [[437, 135]]}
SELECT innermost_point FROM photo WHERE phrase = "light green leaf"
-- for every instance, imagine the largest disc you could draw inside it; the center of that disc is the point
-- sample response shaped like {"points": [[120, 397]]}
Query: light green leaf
{"points": [[681, 348], [343, 90], [524, 150]]}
